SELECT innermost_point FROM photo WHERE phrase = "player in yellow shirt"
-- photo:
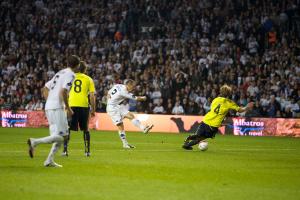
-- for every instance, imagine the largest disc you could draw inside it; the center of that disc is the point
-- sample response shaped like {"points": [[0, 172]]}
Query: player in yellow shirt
{"points": [[214, 118], [81, 100]]}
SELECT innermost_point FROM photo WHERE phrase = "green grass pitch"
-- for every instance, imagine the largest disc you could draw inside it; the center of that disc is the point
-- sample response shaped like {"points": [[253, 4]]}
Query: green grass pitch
{"points": [[232, 168]]}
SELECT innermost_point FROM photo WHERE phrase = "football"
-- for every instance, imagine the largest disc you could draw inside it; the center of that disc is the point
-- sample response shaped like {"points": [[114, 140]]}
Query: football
{"points": [[203, 145]]}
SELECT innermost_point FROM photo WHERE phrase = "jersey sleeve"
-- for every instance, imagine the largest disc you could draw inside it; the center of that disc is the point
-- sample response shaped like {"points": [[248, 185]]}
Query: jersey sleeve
{"points": [[128, 95], [233, 106], [48, 84], [67, 82], [92, 86]]}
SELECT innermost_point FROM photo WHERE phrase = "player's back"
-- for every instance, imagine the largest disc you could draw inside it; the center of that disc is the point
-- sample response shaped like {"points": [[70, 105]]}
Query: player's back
{"points": [[62, 79], [115, 95], [81, 87], [218, 110]]}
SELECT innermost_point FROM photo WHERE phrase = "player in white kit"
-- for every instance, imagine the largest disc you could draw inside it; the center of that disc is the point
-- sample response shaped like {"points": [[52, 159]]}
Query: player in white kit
{"points": [[56, 92], [117, 111]]}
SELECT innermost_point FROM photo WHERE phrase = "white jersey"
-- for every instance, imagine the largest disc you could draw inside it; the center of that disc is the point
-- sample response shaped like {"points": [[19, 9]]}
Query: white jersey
{"points": [[117, 94], [62, 79]]}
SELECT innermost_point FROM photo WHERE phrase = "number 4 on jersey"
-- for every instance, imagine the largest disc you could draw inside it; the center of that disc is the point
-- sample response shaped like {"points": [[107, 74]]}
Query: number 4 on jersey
{"points": [[217, 109]]}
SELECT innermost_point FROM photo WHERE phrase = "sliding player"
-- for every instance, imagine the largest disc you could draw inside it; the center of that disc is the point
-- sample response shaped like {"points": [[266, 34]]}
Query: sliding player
{"points": [[213, 119]]}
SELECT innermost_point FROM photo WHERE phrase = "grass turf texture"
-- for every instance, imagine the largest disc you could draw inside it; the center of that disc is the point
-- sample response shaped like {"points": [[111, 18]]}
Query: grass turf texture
{"points": [[232, 168]]}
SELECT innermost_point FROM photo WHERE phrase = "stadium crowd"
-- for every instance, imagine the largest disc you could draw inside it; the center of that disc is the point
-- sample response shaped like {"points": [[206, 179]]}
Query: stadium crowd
{"points": [[179, 52]]}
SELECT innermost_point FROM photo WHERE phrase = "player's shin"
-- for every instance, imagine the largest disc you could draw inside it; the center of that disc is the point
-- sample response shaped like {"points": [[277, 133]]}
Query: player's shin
{"points": [[138, 124], [193, 142], [87, 138], [191, 137], [53, 150], [66, 143], [123, 137]]}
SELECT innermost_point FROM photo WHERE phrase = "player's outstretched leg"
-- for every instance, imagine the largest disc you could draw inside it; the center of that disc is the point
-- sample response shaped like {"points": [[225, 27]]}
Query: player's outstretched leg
{"points": [[192, 140], [143, 128], [87, 138], [50, 160], [66, 143], [148, 128]]}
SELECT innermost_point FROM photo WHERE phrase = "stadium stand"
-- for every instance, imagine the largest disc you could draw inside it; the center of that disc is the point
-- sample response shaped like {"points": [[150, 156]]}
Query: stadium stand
{"points": [[179, 52]]}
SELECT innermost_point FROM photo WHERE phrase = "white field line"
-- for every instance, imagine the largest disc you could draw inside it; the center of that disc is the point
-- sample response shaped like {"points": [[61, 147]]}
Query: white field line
{"points": [[148, 150], [226, 147]]}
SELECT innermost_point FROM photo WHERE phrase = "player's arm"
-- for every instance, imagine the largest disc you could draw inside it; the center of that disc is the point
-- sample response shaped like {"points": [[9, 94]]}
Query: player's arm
{"points": [[45, 92], [46, 88], [246, 108], [64, 93], [92, 97], [93, 103], [133, 97], [141, 98]]}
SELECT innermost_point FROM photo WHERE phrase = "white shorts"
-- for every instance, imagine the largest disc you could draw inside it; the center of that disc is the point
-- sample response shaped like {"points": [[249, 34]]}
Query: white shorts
{"points": [[117, 113], [58, 122]]}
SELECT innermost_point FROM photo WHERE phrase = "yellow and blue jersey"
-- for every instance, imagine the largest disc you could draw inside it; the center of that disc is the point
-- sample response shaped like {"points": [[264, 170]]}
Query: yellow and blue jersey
{"points": [[218, 110], [82, 86]]}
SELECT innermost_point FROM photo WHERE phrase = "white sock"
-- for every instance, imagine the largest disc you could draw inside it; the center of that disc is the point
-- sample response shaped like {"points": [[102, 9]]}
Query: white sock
{"points": [[123, 137], [47, 140], [53, 150], [138, 124]]}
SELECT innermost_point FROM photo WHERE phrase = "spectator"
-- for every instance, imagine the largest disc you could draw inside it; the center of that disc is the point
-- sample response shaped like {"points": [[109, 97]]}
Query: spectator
{"points": [[156, 95], [7, 104], [192, 108], [177, 109], [38, 105], [29, 106], [159, 109], [273, 107]]}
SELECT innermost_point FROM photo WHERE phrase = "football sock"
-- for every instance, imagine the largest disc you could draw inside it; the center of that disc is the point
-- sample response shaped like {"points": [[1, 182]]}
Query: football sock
{"points": [[191, 137], [66, 142], [53, 150], [48, 140], [123, 137], [87, 138], [138, 124], [193, 142]]}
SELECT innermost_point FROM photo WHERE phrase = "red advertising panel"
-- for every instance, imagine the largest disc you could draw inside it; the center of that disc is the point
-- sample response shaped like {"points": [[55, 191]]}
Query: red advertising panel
{"points": [[168, 123], [264, 127], [23, 119]]}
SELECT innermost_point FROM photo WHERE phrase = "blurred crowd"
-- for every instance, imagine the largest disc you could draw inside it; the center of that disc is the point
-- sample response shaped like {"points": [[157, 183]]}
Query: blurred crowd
{"points": [[179, 52]]}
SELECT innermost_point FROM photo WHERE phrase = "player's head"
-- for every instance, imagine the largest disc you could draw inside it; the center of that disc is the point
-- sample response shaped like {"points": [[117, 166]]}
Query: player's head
{"points": [[73, 61], [130, 84], [82, 67], [225, 91]]}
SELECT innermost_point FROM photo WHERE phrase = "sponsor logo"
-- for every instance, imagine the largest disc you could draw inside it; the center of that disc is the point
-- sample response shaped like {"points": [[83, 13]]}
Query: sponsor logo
{"points": [[242, 127], [10, 119]]}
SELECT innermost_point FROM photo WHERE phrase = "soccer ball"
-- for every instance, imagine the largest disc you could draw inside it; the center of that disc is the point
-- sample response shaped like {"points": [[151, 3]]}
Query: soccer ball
{"points": [[203, 145]]}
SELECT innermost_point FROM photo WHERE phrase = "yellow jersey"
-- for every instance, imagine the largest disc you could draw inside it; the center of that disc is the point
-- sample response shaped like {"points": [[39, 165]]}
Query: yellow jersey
{"points": [[82, 86], [218, 110]]}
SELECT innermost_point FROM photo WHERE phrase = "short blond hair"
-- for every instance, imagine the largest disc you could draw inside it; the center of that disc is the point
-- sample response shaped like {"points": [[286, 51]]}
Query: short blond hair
{"points": [[225, 91], [129, 82]]}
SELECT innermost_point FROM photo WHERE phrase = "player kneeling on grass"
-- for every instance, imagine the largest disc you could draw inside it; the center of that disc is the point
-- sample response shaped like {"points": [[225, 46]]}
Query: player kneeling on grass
{"points": [[81, 93], [117, 111], [56, 92], [213, 119]]}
